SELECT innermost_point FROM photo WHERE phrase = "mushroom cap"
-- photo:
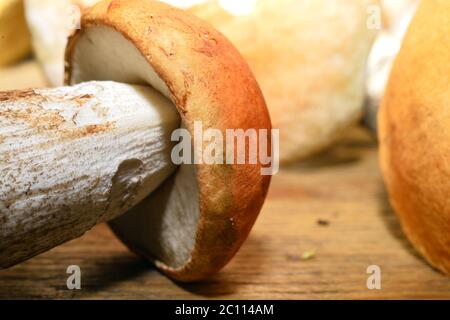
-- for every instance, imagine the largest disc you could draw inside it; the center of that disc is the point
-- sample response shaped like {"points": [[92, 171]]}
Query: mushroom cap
{"points": [[197, 220], [414, 125]]}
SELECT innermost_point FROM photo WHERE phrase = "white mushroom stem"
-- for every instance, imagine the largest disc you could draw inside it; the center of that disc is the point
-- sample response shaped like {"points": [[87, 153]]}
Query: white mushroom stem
{"points": [[73, 157]]}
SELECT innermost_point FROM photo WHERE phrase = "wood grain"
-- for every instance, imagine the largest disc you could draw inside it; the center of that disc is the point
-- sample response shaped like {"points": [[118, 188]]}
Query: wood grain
{"points": [[342, 187]]}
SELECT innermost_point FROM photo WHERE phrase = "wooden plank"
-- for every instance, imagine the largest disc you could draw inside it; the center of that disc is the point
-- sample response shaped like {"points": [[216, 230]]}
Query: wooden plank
{"points": [[342, 187]]}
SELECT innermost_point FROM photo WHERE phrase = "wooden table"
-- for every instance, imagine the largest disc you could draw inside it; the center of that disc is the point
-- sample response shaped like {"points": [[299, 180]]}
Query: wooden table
{"points": [[341, 188]]}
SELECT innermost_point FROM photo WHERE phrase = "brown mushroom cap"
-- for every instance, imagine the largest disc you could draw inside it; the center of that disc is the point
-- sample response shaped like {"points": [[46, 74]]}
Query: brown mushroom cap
{"points": [[197, 220], [414, 126]]}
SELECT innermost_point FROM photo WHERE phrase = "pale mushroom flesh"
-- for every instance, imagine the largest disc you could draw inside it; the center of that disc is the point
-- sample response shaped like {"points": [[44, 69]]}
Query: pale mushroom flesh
{"points": [[163, 226]]}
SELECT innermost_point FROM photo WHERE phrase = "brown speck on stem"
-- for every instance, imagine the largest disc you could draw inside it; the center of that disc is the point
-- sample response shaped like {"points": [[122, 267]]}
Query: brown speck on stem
{"points": [[15, 95], [86, 130]]}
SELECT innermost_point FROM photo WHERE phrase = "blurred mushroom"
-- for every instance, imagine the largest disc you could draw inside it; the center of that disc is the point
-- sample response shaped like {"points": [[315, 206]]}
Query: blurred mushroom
{"points": [[14, 35], [397, 16], [309, 57]]}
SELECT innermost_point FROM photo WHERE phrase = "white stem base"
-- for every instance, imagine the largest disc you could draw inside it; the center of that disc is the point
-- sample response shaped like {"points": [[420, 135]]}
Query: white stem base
{"points": [[73, 157]]}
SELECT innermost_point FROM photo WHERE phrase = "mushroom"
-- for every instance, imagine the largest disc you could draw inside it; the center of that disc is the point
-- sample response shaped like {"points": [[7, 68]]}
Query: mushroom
{"points": [[397, 16], [15, 40], [51, 22], [192, 224], [414, 133], [312, 76], [76, 156]]}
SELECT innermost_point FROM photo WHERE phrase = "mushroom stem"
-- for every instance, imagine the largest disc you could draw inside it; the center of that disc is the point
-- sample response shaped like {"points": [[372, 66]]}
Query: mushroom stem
{"points": [[73, 157]]}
